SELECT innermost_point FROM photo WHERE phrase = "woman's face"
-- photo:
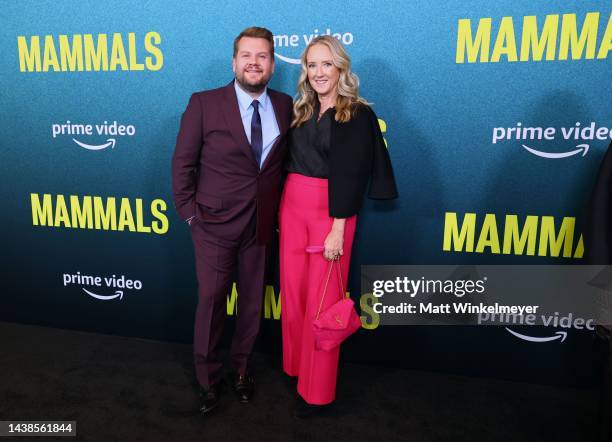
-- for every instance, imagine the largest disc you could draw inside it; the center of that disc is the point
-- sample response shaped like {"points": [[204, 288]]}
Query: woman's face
{"points": [[323, 76]]}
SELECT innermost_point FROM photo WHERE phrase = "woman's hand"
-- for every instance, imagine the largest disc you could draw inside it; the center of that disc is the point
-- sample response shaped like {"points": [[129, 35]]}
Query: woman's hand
{"points": [[335, 240]]}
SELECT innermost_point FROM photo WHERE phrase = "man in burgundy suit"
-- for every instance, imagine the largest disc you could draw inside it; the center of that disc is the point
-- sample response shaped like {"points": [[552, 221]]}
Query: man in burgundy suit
{"points": [[226, 173]]}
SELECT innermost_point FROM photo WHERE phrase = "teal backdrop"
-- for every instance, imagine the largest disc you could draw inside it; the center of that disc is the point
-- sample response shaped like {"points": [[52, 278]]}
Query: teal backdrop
{"points": [[88, 132]]}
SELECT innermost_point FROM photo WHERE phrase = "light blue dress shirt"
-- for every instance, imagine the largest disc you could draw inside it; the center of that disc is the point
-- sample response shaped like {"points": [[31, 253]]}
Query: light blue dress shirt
{"points": [[269, 127]]}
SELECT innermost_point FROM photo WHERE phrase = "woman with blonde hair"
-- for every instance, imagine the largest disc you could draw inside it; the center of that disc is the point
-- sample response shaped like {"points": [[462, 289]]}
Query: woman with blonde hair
{"points": [[335, 149]]}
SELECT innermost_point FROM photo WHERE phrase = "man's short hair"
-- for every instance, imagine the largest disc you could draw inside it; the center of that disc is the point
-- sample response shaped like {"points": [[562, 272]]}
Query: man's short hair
{"points": [[255, 32]]}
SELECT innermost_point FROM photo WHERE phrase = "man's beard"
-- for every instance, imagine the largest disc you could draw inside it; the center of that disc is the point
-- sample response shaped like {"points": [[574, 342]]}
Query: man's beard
{"points": [[252, 87]]}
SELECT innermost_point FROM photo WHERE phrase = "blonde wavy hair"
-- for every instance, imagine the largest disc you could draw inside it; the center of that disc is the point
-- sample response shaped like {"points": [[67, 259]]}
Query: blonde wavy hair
{"points": [[348, 85]]}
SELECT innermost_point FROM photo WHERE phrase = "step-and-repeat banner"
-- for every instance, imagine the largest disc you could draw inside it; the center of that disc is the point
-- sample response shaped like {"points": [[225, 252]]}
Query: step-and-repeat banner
{"points": [[496, 117]]}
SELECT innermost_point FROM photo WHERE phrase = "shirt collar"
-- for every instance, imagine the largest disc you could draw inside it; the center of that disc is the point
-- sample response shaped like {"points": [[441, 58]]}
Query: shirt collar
{"points": [[245, 100]]}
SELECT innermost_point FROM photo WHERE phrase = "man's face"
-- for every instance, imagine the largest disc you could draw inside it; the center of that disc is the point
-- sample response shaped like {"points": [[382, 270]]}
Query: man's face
{"points": [[253, 64]]}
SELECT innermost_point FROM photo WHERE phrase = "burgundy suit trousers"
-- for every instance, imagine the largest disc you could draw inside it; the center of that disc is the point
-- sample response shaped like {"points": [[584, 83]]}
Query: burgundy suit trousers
{"points": [[218, 257]]}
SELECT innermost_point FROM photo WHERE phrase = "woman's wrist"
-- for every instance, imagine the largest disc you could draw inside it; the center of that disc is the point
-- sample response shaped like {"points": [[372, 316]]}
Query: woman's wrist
{"points": [[338, 225]]}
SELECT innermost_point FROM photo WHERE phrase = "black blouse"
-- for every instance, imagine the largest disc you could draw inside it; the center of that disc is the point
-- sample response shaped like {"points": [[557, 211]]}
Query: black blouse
{"points": [[355, 162], [309, 146]]}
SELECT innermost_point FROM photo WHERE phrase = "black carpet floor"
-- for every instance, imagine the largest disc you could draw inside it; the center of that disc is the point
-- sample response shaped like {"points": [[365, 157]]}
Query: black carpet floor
{"points": [[125, 389]]}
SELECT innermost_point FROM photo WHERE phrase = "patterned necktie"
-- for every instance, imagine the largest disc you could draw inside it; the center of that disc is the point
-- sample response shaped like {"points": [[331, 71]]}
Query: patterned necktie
{"points": [[256, 136]]}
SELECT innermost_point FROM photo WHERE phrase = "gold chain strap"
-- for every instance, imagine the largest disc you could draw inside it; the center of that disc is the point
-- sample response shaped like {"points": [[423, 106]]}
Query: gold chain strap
{"points": [[331, 265]]}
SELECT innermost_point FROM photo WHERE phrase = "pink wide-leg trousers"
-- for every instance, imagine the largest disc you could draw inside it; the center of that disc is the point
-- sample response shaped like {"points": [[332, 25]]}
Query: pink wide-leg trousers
{"points": [[304, 221]]}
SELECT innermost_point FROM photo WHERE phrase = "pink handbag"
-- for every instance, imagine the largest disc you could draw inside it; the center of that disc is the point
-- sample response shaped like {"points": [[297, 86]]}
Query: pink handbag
{"points": [[339, 321]]}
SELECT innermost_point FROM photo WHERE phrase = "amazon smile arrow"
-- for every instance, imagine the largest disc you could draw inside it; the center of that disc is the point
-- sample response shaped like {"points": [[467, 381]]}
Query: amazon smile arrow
{"points": [[559, 334], [118, 294], [287, 59], [581, 148], [110, 142]]}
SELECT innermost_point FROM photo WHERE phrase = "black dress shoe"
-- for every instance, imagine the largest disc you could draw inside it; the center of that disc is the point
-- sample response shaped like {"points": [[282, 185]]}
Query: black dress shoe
{"points": [[243, 385], [209, 398], [304, 410]]}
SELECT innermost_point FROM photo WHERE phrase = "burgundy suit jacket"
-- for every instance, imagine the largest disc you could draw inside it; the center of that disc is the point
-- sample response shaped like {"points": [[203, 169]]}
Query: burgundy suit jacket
{"points": [[214, 172]]}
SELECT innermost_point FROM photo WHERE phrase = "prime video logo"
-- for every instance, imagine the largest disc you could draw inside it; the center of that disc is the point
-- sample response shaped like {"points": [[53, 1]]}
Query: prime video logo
{"points": [[78, 132], [564, 322], [98, 286], [288, 43], [576, 134]]}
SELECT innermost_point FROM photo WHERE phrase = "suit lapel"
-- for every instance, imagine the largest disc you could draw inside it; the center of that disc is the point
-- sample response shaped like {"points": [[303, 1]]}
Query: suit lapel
{"points": [[231, 112], [283, 124]]}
